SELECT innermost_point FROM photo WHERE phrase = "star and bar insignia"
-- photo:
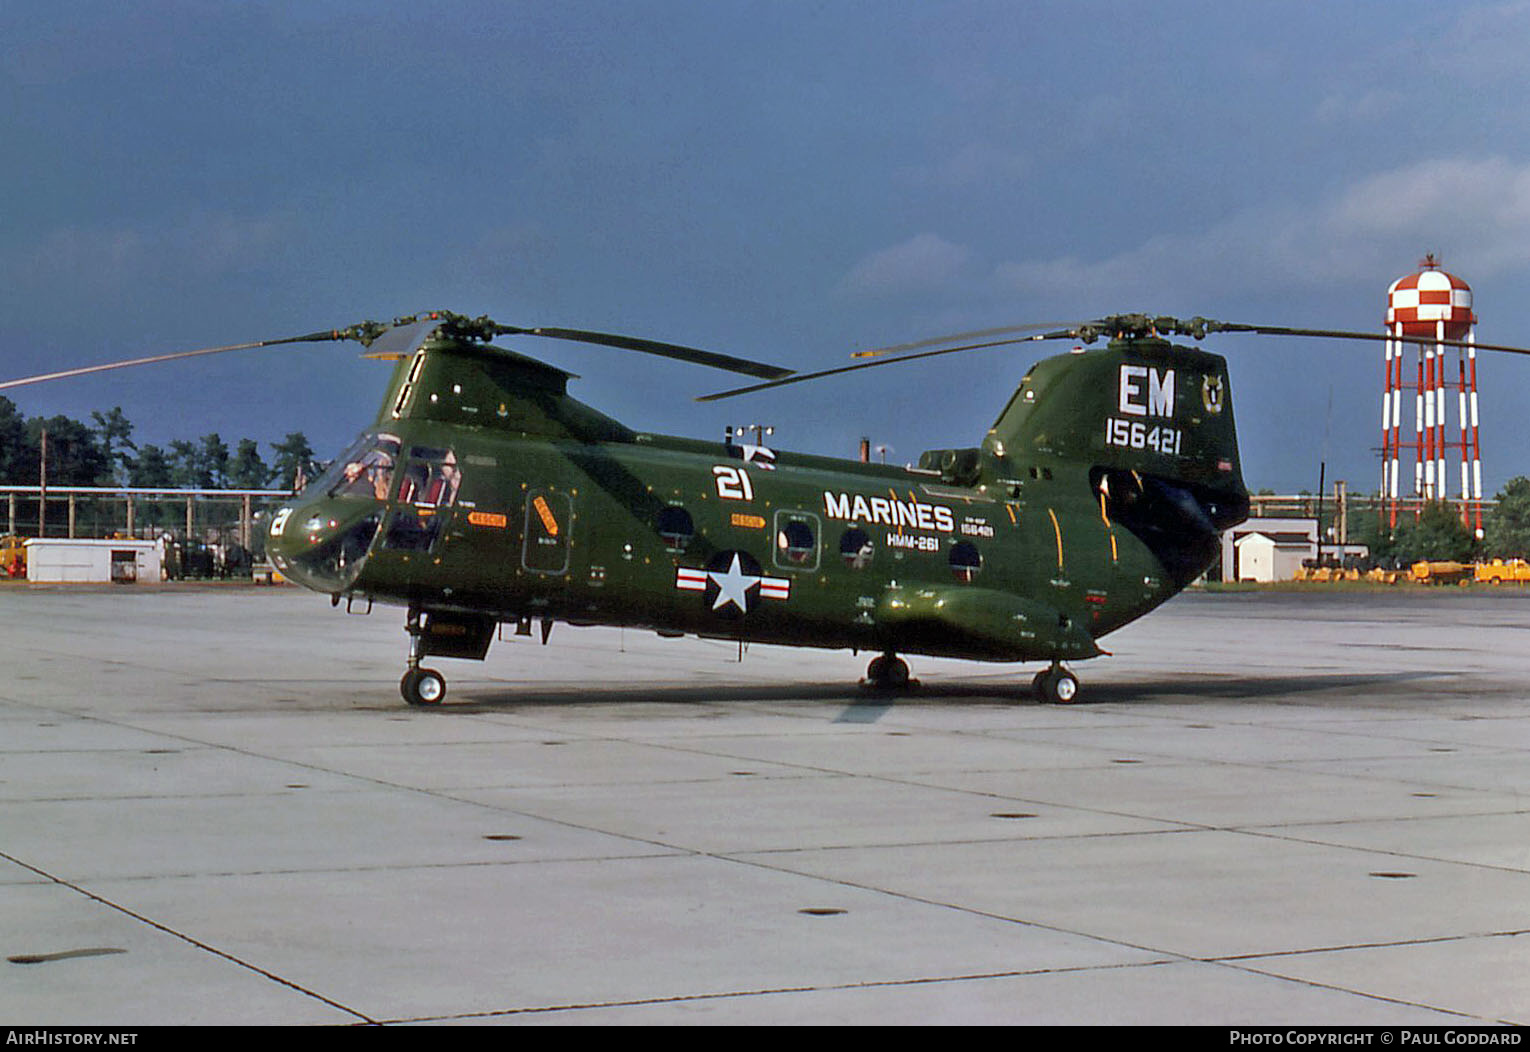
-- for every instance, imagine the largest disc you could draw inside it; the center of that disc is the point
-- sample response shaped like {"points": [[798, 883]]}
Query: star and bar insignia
{"points": [[732, 583]]}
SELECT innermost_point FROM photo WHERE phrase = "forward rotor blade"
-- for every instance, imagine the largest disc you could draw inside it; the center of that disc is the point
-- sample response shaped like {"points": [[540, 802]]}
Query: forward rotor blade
{"points": [[663, 350], [156, 358], [799, 377], [975, 334]]}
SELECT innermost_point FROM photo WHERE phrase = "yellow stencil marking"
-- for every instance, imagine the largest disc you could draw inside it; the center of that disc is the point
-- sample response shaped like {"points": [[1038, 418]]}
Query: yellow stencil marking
{"points": [[549, 523], [1109, 528], [1056, 529]]}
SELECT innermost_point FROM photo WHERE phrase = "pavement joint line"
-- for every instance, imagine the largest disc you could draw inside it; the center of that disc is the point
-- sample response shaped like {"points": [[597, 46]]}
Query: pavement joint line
{"points": [[1389, 853], [1426, 940], [778, 991], [1405, 1002], [1235, 962], [189, 940]]}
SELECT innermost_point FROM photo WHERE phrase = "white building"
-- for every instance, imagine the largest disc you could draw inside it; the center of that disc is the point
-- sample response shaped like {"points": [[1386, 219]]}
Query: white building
{"points": [[1279, 551], [75, 561], [1271, 556]]}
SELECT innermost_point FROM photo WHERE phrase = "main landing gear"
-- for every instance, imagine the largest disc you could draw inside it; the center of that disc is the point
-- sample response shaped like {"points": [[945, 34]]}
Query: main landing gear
{"points": [[420, 686], [1057, 685], [888, 672]]}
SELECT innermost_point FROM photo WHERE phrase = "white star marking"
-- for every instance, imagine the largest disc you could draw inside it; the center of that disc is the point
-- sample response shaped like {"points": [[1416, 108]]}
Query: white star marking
{"points": [[733, 586]]}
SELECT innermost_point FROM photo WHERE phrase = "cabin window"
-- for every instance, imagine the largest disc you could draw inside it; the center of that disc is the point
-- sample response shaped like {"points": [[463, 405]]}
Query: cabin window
{"points": [[855, 548], [796, 540], [410, 531], [431, 478], [549, 520], [966, 561], [676, 528]]}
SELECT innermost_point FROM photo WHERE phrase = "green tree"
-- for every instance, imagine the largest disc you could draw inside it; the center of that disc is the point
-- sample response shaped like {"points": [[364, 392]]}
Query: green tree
{"points": [[74, 457], [247, 470], [18, 453], [152, 468], [294, 458], [186, 465], [1437, 534], [214, 460], [1507, 531], [1377, 536], [114, 433]]}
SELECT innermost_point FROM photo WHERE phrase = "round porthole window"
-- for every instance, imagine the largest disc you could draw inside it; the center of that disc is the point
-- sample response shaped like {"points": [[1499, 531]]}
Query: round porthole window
{"points": [[966, 561], [676, 528]]}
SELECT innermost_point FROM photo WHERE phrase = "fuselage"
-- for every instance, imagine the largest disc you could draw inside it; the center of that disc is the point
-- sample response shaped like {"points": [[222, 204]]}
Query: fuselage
{"points": [[686, 536]]}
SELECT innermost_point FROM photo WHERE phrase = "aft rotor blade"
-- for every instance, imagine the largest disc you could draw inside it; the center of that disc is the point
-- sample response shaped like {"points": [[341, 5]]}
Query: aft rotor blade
{"points": [[799, 377], [663, 350], [1341, 334], [156, 358]]}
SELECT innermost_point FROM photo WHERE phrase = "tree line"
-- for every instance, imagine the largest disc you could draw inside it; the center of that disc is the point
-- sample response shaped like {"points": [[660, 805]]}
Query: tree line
{"points": [[1438, 534], [103, 453]]}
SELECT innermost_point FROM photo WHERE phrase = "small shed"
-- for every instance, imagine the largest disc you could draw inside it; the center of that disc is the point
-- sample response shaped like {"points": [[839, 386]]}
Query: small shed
{"points": [[1281, 531], [1272, 556], [75, 561]]}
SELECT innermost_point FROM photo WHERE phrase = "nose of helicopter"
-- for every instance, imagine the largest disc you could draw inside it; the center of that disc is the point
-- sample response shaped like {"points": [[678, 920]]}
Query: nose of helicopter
{"points": [[322, 544]]}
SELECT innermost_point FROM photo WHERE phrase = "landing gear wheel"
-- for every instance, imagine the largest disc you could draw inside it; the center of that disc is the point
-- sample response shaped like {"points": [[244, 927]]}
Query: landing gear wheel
{"points": [[888, 672], [423, 687], [1056, 685]]}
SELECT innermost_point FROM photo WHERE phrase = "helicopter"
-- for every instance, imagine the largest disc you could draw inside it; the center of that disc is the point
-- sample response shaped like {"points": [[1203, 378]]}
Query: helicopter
{"points": [[483, 494]]}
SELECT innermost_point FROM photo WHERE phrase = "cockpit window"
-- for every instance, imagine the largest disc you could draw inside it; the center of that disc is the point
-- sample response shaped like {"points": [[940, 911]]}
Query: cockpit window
{"points": [[364, 470]]}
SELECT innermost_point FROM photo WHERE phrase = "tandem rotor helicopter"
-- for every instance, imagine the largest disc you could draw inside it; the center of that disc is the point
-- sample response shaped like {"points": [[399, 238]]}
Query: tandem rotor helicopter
{"points": [[484, 494]]}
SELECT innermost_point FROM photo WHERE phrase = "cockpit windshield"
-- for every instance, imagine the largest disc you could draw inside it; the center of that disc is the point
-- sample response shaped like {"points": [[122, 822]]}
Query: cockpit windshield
{"points": [[364, 470]]}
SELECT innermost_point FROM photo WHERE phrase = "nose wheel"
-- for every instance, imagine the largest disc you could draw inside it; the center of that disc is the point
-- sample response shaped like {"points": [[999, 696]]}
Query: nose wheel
{"points": [[423, 686], [1057, 685], [420, 686]]}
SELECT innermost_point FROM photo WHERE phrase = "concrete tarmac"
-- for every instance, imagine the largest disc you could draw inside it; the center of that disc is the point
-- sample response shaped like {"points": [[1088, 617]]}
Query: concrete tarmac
{"points": [[1267, 808]]}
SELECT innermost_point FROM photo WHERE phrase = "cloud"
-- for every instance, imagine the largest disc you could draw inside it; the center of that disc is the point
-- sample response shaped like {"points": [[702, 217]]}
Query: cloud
{"points": [[1475, 212], [1361, 108], [923, 263], [974, 165], [201, 243]]}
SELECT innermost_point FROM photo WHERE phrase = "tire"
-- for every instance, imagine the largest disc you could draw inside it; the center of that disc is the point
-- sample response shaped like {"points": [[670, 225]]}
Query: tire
{"points": [[423, 687], [1057, 686], [887, 672]]}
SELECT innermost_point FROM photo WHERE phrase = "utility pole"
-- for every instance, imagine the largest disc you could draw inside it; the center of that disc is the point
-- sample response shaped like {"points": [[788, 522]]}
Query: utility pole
{"points": [[42, 491]]}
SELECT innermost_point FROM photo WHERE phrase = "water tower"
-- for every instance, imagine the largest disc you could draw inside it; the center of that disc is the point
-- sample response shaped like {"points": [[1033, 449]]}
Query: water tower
{"points": [[1423, 309]]}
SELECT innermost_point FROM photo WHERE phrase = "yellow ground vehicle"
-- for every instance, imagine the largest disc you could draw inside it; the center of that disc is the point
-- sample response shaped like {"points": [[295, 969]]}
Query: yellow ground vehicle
{"points": [[1439, 572], [1500, 570], [13, 556]]}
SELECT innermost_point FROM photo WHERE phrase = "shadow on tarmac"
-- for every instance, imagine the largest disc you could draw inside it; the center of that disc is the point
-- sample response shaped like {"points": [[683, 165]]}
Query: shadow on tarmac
{"points": [[866, 702]]}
